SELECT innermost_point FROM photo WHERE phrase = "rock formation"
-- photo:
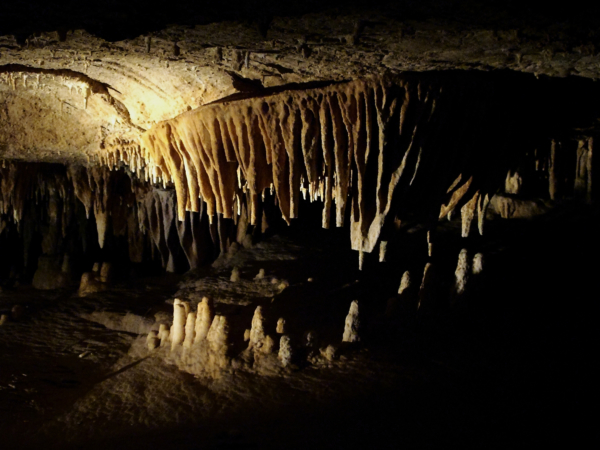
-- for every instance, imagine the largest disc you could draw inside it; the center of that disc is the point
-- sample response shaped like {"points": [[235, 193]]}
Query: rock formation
{"points": [[257, 332], [352, 324], [285, 351], [177, 332]]}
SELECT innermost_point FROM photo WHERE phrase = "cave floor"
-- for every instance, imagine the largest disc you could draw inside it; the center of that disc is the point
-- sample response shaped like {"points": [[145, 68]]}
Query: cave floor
{"points": [[511, 369]]}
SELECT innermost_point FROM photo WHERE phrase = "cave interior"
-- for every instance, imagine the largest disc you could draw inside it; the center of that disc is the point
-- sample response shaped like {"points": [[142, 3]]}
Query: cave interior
{"points": [[325, 225]]}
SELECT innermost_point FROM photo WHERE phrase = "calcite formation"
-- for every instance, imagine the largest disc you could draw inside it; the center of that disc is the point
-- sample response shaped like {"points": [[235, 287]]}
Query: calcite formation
{"points": [[372, 151], [285, 351], [352, 324], [462, 272], [331, 144]]}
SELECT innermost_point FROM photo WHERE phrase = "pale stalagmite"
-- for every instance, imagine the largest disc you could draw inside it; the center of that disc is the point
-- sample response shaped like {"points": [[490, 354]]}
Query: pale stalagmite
{"points": [[352, 324], [285, 350], [461, 273], [178, 328], [257, 332], [204, 318]]}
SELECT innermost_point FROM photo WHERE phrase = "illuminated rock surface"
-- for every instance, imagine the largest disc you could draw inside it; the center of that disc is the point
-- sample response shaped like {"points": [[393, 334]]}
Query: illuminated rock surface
{"points": [[195, 200]]}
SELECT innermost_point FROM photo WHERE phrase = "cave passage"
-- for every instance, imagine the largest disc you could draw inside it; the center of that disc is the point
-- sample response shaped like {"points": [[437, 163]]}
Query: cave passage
{"points": [[394, 255]]}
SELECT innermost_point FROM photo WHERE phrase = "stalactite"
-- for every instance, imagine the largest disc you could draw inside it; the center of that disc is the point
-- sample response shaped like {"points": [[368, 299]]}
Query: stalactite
{"points": [[467, 212], [405, 282]]}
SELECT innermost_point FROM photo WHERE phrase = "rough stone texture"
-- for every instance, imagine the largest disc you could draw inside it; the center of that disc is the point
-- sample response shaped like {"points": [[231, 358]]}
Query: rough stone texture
{"points": [[82, 92]]}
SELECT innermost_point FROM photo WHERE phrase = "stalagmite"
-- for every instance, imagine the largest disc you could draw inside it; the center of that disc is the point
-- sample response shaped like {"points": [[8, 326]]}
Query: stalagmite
{"points": [[257, 332], [190, 323], [246, 335], [477, 266], [186, 306], [106, 272], [260, 275], [268, 345], [235, 275], [461, 273], [204, 318], [352, 324], [163, 334], [311, 339], [3, 319], [329, 352], [152, 341], [178, 329], [280, 326], [285, 351], [218, 334], [513, 183], [90, 284]]}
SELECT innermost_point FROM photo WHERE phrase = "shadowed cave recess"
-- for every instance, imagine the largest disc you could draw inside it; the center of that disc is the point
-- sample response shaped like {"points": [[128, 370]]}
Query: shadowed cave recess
{"points": [[320, 226]]}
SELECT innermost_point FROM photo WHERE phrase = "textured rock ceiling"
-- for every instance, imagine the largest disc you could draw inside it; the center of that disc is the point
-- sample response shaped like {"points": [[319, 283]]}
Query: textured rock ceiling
{"points": [[74, 81]]}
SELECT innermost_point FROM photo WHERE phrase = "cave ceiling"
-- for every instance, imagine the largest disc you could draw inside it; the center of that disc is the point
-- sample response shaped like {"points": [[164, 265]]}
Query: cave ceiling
{"points": [[74, 79]]}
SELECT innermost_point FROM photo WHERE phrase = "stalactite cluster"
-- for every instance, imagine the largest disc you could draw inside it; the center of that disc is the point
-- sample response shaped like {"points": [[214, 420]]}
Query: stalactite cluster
{"points": [[62, 204], [373, 151], [376, 145]]}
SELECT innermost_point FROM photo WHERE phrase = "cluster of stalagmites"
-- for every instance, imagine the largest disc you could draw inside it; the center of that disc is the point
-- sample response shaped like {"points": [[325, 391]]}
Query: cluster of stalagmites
{"points": [[201, 340], [420, 298], [97, 280]]}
